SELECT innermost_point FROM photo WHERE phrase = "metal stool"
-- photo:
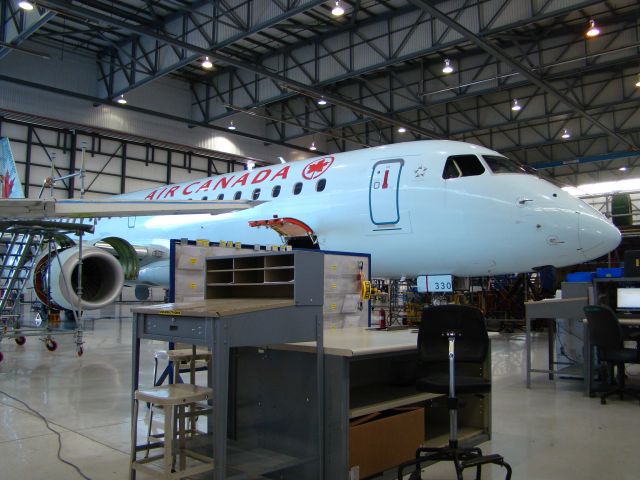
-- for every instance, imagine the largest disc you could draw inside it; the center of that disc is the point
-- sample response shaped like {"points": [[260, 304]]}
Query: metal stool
{"points": [[170, 397], [182, 355], [189, 356]]}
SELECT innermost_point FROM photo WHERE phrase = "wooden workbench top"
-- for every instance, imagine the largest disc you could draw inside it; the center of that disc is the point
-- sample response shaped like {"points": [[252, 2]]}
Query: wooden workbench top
{"points": [[358, 341], [217, 307]]}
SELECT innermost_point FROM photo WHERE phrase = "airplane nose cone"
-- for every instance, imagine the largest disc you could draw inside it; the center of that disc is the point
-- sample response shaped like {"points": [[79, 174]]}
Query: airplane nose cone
{"points": [[598, 236]]}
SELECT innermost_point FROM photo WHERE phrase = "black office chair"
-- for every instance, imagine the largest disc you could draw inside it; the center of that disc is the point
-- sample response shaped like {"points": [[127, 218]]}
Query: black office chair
{"points": [[453, 334], [605, 333]]}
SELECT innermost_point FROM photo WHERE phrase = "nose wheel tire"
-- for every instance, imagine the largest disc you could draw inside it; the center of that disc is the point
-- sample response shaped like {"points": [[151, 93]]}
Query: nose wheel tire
{"points": [[20, 340], [79, 351], [51, 345]]}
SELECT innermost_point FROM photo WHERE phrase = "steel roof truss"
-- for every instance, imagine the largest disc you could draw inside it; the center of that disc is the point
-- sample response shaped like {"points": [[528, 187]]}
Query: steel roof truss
{"points": [[533, 78], [17, 25]]}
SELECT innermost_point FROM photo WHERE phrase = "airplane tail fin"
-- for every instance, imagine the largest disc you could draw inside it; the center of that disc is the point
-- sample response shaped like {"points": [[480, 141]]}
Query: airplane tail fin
{"points": [[10, 185]]}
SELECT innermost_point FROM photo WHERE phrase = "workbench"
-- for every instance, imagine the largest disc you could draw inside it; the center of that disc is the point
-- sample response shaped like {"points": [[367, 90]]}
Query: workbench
{"points": [[368, 371], [226, 324]]}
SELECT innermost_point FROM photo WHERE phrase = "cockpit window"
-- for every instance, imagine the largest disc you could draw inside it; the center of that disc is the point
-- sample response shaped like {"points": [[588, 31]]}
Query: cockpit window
{"points": [[506, 165], [462, 166], [451, 170]]}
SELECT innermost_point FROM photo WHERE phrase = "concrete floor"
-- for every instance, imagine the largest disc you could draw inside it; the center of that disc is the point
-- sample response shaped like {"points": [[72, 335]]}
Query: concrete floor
{"points": [[548, 432]]}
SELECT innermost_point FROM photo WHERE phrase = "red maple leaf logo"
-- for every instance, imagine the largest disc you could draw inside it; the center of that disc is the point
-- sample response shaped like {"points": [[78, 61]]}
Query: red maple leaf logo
{"points": [[7, 185], [317, 168]]}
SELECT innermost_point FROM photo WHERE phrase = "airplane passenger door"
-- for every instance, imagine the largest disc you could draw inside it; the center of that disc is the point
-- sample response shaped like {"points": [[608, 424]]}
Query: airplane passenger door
{"points": [[384, 190]]}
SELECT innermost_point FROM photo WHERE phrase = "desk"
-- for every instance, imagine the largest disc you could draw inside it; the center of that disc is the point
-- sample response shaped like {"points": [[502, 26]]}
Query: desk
{"points": [[571, 308], [225, 324], [368, 371]]}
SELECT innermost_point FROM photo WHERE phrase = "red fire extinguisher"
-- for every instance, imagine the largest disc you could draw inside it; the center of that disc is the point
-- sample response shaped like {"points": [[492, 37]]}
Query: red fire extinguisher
{"points": [[383, 318]]}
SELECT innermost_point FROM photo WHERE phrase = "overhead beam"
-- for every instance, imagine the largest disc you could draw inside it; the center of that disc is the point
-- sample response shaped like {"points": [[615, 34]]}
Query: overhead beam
{"points": [[580, 160], [299, 87], [18, 25], [535, 79], [188, 24], [102, 101], [592, 80], [384, 43]]}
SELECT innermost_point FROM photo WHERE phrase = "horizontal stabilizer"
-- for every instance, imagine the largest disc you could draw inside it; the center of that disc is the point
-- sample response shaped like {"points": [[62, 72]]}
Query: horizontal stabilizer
{"points": [[72, 208]]}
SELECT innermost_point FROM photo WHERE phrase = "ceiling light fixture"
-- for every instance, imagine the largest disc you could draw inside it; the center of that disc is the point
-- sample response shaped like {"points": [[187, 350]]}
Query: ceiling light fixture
{"points": [[206, 63], [593, 30], [623, 169], [322, 101], [638, 82], [447, 66], [516, 107], [566, 134], [313, 146], [231, 125], [121, 100], [337, 10], [401, 130], [26, 5]]}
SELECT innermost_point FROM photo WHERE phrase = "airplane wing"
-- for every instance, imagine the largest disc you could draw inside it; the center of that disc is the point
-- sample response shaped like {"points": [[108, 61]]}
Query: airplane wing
{"points": [[39, 209]]}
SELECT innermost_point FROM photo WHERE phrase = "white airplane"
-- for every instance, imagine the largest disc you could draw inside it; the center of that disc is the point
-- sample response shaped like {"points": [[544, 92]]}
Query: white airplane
{"points": [[423, 207]]}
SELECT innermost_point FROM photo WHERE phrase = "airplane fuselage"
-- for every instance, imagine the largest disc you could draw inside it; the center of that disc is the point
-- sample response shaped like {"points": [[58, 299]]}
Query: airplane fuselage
{"points": [[417, 207]]}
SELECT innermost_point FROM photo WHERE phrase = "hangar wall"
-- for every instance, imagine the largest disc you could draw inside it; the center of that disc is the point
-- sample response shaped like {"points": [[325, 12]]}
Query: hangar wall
{"points": [[68, 72], [113, 165]]}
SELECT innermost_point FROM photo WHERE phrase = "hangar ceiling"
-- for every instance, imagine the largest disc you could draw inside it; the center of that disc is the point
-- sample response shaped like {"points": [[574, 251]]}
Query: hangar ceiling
{"points": [[379, 67]]}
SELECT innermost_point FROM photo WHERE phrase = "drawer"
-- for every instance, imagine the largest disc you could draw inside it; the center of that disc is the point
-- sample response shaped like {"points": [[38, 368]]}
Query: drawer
{"points": [[178, 328]]}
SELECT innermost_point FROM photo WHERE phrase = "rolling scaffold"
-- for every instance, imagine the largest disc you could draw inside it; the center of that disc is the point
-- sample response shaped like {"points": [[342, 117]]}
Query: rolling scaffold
{"points": [[22, 242]]}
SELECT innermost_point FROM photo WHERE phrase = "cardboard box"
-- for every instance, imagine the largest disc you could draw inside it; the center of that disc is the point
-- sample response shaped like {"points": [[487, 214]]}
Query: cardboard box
{"points": [[382, 440]]}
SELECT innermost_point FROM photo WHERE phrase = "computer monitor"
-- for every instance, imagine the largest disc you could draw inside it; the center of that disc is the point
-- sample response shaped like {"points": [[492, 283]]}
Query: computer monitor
{"points": [[628, 299]]}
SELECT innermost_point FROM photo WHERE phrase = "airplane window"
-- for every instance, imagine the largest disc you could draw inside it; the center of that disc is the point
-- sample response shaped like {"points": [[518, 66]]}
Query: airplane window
{"points": [[237, 195], [276, 191], [504, 165], [256, 194], [221, 196], [450, 170], [321, 184], [462, 166], [508, 165], [297, 188]]}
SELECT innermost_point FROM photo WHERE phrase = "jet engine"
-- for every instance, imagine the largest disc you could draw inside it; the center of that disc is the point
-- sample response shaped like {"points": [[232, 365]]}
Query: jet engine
{"points": [[55, 278]]}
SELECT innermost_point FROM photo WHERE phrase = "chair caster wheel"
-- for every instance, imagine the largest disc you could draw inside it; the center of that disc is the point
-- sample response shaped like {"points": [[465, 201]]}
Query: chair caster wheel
{"points": [[415, 475], [51, 345]]}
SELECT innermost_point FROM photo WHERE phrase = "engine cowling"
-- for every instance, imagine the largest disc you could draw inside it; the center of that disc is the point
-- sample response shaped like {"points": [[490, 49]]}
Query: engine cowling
{"points": [[55, 278]]}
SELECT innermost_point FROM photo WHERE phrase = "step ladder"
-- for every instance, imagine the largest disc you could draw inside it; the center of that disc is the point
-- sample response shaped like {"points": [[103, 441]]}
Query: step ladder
{"points": [[20, 244], [18, 255]]}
